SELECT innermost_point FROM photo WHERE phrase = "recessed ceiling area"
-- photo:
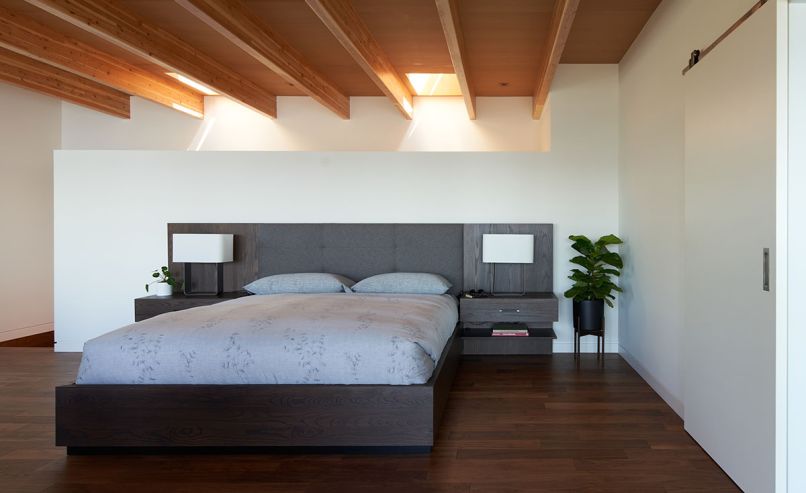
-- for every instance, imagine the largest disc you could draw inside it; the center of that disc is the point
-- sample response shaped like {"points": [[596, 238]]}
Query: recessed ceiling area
{"points": [[332, 50]]}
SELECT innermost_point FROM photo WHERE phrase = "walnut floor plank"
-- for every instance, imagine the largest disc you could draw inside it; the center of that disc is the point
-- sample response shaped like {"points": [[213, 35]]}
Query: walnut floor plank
{"points": [[526, 423]]}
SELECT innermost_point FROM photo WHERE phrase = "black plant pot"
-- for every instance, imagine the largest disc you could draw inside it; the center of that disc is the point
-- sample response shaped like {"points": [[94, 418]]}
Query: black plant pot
{"points": [[589, 315]]}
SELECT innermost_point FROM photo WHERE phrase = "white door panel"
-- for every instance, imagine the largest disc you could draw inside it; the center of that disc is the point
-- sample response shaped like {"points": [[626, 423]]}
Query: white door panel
{"points": [[729, 366]]}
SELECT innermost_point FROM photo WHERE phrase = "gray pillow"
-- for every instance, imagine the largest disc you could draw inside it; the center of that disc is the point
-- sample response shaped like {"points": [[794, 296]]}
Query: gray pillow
{"points": [[404, 283], [300, 283]]}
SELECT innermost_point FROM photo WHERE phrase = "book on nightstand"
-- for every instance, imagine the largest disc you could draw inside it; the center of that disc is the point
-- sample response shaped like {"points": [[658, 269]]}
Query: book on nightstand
{"points": [[510, 333], [510, 330]]}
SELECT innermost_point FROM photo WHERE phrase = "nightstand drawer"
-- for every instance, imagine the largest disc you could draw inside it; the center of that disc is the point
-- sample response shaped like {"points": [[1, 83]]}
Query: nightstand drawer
{"points": [[511, 309]]}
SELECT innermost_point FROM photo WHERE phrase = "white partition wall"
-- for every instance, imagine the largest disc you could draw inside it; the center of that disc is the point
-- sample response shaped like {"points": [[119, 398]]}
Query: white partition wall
{"points": [[730, 213], [107, 242]]}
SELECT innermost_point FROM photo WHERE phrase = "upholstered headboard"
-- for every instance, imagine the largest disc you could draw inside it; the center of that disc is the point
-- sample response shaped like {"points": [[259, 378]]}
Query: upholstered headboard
{"points": [[362, 250], [354, 250]]}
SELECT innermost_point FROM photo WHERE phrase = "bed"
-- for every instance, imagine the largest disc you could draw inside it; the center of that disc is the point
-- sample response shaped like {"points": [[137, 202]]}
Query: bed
{"points": [[157, 385], [118, 406], [280, 339]]}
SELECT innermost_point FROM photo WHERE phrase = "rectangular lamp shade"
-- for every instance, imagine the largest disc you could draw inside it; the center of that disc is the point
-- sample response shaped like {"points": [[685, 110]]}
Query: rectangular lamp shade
{"points": [[202, 248], [507, 249]]}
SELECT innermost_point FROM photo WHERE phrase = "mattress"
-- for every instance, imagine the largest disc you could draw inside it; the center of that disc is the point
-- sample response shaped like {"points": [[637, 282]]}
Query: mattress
{"points": [[340, 338]]}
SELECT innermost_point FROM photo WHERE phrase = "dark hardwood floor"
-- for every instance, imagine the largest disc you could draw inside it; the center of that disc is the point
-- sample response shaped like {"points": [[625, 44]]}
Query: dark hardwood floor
{"points": [[536, 423]]}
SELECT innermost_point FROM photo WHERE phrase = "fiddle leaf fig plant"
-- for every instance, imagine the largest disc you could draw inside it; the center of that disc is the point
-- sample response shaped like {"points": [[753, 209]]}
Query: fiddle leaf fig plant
{"points": [[592, 280], [164, 275]]}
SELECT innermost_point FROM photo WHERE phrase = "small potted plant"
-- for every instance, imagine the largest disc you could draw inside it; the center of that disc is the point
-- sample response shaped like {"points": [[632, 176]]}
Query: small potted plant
{"points": [[593, 285], [165, 282]]}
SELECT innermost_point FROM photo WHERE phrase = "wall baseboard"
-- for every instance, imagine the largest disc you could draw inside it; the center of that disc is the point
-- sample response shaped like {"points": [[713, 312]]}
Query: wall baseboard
{"points": [[25, 331], [43, 339], [675, 403]]}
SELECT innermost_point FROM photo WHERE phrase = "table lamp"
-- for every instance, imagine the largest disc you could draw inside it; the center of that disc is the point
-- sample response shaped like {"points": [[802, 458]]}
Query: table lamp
{"points": [[507, 249], [203, 249]]}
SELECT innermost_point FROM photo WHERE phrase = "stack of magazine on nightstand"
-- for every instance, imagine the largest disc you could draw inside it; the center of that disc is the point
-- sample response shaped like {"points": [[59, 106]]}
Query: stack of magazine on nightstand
{"points": [[510, 329]]}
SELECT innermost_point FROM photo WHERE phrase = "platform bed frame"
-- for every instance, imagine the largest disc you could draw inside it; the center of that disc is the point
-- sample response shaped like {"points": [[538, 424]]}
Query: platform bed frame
{"points": [[110, 418]]}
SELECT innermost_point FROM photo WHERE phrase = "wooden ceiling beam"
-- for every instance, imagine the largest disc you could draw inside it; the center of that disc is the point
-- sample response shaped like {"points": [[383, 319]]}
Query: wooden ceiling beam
{"points": [[117, 25], [32, 74], [449, 17], [561, 22], [27, 37], [233, 20], [341, 18]]}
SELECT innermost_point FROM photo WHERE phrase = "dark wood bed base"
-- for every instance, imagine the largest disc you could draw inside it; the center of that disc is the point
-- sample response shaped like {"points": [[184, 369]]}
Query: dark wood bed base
{"points": [[120, 418]]}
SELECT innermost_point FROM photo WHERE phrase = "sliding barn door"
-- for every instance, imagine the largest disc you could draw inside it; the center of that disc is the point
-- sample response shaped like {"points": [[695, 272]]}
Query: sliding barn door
{"points": [[729, 337]]}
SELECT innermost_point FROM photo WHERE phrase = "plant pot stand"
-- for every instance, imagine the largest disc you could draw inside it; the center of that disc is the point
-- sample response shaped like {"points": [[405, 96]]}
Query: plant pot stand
{"points": [[579, 334]]}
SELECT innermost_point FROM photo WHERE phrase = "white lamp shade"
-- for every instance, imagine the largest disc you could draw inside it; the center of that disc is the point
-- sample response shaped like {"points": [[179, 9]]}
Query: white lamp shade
{"points": [[202, 248], [507, 249]]}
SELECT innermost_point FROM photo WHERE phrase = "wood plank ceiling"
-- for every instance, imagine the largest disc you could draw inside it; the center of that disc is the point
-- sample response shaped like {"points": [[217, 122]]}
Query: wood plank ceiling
{"points": [[330, 50]]}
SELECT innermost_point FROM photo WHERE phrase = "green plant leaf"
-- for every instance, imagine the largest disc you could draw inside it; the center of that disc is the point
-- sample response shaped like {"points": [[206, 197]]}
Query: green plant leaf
{"points": [[613, 258], [572, 292], [585, 247], [584, 261], [609, 240]]}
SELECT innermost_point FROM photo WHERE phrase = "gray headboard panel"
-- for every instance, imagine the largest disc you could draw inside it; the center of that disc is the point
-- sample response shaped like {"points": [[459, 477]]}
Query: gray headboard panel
{"points": [[354, 250], [361, 250]]}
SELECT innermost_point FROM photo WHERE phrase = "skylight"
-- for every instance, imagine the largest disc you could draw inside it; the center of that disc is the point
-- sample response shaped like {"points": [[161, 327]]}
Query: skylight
{"points": [[435, 84]]}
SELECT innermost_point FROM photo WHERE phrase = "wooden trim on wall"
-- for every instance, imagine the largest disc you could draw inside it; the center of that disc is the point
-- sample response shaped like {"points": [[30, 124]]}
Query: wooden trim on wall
{"points": [[704, 52], [341, 18], [40, 77], [32, 39], [124, 29], [561, 22], [449, 17]]}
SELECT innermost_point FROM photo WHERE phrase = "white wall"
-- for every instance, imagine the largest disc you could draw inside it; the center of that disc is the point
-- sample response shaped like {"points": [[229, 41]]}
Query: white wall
{"points": [[29, 131], [797, 239], [120, 231], [439, 124], [651, 184]]}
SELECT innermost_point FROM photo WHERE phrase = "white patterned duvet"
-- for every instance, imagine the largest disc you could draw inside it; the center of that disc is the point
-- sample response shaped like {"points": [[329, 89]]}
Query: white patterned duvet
{"points": [[280, 339]]}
